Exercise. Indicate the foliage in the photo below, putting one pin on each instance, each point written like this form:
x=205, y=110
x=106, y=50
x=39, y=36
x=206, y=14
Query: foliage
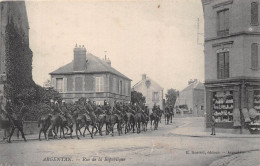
x=137, y=97
x=171, y=96
x=20, y=85
x=18, y=63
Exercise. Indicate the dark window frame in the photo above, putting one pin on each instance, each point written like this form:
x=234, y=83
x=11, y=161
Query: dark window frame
x=225, y=71
x=254, y=14
x=254, y=56
x=223, y=32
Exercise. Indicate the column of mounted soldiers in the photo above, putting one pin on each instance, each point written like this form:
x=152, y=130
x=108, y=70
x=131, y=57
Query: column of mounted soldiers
x=85, y=114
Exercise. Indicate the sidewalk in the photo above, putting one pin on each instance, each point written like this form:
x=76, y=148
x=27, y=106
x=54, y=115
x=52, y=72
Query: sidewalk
x=194, y=127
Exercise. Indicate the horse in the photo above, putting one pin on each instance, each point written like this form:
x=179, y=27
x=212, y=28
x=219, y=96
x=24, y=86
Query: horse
x=167, y=115
x=68, y=125
x=146, y=120
x=154, y=118
x=101, y=120
x=44, y=122
x=113, y=119
x=139, y=119
x=129, y=121
x=56, y=122
x=13, y=121
x=81, y=121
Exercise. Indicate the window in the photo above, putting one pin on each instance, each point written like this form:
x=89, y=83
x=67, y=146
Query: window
x=59, y=84
x=254, y=56
x=254, y=13
x=78, y=84
x=120, y=86
x=223, y=22
x=99, y=84
x=114, y=85
x=223, y=65
x=155, y=96
x=126, y=89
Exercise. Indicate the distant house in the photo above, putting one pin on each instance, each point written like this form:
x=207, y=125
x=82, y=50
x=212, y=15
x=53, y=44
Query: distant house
x=193, y=97
x=89, y=76
x=152, y=91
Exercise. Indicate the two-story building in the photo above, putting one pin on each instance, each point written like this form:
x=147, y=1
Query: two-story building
x=89, y=76
x=232, y=62
x=151, y=90
x=193, y=97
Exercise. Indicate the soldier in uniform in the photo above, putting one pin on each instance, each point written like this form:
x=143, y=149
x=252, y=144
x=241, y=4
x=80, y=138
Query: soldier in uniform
x=90, y=111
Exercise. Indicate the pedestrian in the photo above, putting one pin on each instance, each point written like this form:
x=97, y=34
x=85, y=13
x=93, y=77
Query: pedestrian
x=213, y=123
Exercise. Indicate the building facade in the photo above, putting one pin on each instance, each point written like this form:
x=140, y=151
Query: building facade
x=89, y=76
x=151, y=90
x=232, y=62
x=193, y=97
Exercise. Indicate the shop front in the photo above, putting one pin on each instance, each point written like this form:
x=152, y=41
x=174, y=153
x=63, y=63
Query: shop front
x=235, y=103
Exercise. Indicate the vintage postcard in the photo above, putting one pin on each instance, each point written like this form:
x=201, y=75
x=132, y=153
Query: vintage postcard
x=125, y=82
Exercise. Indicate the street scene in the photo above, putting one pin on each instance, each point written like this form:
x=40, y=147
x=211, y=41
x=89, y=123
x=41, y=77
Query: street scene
x=180, y=143
x=130, y=83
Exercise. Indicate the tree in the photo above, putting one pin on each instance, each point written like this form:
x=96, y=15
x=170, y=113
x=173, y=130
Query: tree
x=171, y=96
x=137, y=97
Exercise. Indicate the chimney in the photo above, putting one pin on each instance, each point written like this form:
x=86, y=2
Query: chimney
x=107, y=60
x=79, y=62
x=143, y=76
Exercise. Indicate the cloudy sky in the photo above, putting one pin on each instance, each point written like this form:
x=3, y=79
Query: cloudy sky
x=158, y=38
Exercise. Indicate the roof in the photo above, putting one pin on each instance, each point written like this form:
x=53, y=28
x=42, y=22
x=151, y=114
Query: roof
x=194, y=85
x=94, y=65
x=143, y=81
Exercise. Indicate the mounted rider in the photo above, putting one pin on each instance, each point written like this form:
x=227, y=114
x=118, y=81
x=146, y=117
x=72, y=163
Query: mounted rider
x=117, y=110
x=90, y=111
x=65, y=111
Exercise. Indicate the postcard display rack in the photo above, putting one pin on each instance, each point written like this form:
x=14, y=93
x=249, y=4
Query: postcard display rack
x=257, y=100
x=223, y=105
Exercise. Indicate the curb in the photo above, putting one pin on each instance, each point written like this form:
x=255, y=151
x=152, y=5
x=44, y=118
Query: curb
x=209, y=136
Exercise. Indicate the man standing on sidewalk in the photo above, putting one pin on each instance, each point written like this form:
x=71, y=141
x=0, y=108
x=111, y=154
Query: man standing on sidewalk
x=213, y=122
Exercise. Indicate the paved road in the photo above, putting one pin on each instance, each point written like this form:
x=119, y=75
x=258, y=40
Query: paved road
x=159, y=147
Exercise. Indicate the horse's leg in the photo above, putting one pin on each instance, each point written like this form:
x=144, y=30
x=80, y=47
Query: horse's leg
x=40, y=134
x=151, y=124
x=77, y=129
x=107, y=128
x=118, y=128
x=17, y=134
x=112, y=129
x=85, y=130
x=12, y=131
x=21, y=130
x=91, y=134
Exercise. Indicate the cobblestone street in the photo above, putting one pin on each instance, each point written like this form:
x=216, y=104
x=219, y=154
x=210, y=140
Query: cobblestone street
x=160, y=147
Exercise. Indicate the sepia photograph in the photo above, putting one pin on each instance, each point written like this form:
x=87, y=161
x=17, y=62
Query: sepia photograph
x=131, y=83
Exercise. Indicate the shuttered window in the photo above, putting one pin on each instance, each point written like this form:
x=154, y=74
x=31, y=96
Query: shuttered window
x=223, y=65
x=254, y=56
x=120, y=86
x=59, y=84
x=78, y=84
x=99, y=84
x=254, y=13
x=223, y=22
x=114, y=85
x=127, y=89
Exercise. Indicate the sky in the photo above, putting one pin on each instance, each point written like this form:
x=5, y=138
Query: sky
x=158, y=38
